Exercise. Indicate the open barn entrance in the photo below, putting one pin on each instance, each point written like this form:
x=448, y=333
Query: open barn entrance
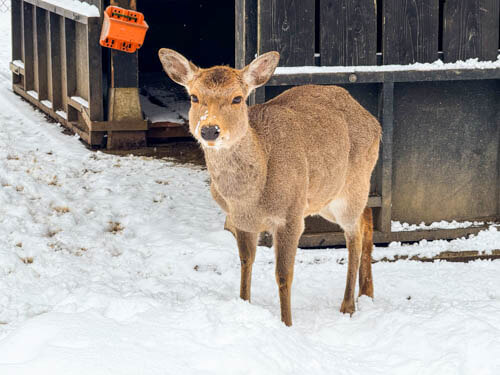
x=201, y=31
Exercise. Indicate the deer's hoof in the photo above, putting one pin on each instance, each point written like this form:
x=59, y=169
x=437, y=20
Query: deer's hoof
x=347, y=307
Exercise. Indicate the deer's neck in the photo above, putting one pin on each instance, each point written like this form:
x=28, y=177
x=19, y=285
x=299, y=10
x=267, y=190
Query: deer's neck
x=239, y=173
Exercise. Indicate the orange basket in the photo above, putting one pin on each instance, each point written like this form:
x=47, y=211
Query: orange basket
x=123, y=29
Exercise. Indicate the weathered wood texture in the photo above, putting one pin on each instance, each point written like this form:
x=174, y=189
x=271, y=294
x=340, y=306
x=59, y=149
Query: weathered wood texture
x=55, y=61
x=245, y=32
x=410, y=31
x=384, y=174
x=287, y=26
x=28, y=47
x=16, y=35
x=445, y=151
x=470, y=29
x=41, y=52
x=348, y=32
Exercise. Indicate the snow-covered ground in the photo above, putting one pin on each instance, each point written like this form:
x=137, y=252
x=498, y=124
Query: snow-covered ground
x=120, y=265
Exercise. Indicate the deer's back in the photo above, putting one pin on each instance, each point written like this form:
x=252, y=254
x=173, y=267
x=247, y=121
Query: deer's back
x=317, y=135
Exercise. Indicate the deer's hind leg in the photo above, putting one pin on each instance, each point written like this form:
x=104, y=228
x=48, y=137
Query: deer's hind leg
x=365, y=269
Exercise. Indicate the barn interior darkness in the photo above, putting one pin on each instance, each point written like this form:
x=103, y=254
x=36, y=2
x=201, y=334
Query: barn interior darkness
x=203, y=31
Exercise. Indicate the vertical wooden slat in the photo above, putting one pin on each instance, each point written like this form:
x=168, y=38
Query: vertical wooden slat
x=55, y=61
x=348, y=32
x=41, y=54
x=470, y=29
x=28, y=46
x=69, y=66
x=386, y=108
x=246, y=32
x=410, y=31
x=16, y=35
x=287, y=26
x=95, y=98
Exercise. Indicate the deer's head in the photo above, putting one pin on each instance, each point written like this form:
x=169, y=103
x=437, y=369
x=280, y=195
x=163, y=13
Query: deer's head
x=219, y=114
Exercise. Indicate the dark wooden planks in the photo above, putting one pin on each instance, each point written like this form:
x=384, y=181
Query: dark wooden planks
x=68, y=65
x=384, y=177
x=55, y=61
x=28, y=47
x=245, y=32
x=287, y=26
x=470, y=30
x=348, y=32
x=16, y=35
x=410, y=31
x=41, y=51
x=95, y=91
x=445, y=151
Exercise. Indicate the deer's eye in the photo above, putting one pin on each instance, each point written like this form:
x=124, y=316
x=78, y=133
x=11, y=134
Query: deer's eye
x=194, y=98
x=237, y=100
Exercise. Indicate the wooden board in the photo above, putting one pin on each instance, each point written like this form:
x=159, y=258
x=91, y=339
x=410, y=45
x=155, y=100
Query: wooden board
x=445, y=151
x=28, y=47
x=410, y=31
x=41, y=52
x=55, y=61
x=470, y=29
x=287, y=26
x=348, y=32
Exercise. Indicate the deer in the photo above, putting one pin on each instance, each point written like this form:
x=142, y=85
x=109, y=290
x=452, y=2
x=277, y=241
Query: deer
x=309, y=151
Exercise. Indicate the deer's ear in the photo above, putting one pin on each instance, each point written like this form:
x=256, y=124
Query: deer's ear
x=178, y=68
x=261, y=69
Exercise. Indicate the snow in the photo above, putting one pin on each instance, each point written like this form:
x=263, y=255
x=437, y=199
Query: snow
x=436, y=65
x=33, y=94
x=63, y=114
x=18, y=63
x=119, y=265
x=76, y=6
x=397, y=226
x=47, y=103
x=80, y=101
x=162, y=100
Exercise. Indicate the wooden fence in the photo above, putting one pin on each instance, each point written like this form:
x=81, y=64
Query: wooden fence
x=440, y=154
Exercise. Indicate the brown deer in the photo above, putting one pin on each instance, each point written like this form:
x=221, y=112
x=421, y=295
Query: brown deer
x=309, y=151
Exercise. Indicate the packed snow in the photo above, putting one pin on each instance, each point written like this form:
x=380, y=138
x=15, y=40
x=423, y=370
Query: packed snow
x=397, y=226
x=119, y=265
x=436, y=65
x=81, y=7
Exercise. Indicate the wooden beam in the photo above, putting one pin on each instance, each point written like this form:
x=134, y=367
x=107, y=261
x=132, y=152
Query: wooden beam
x=314, y=240
x=386, y=117
x=66, y=13
x=329, y=78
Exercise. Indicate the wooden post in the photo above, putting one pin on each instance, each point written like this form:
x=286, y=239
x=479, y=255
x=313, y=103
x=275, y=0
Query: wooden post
x=123, y=99
x=69, y=67
x=386, y=108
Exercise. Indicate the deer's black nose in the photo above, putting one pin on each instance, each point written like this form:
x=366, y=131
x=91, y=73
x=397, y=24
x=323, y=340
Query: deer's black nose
x=210, y=132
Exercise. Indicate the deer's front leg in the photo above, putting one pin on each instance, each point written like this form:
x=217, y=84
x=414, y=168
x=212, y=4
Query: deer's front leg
x=286, y=240
x=247, y=246
x=354, y=240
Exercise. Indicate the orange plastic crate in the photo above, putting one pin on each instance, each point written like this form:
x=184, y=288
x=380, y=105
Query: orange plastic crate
x=123, y=29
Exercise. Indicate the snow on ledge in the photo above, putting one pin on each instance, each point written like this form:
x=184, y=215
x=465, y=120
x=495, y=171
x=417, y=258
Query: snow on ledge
x=436, y=65
x=80, y=101
x=80, y=7
x=397, y=226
